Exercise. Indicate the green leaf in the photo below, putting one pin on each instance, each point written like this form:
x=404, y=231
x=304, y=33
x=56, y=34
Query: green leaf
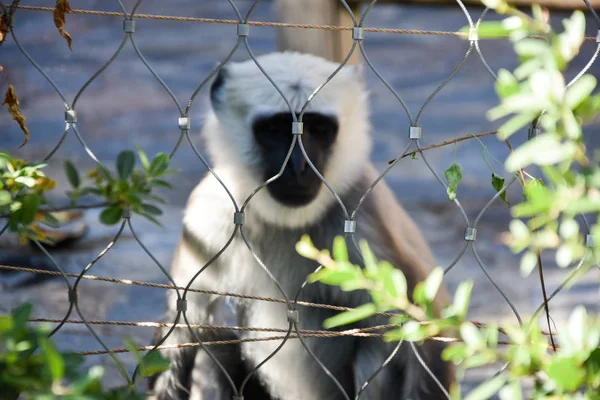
x=153, y=363
x=150, y=209
x=471, y=335
x=340, y=251
x=506, y=85
x=335, y=277
x=161, y=183
x=577, y=326
x=125, y=163
x=453, y=176
x=50, y=220
x=143, y=158
x=72, y=174
x=514, y=124
x=433, y=282
x=580, y=90
x=31, y=205
x=528, y=263
x=490, y=29
x=564, y=256
x=369, y=258
x=348, y=317
x=111, y=215
x=306, y=248
x=566, y=372
x=21, y=315
x=487, y=389
x=26, y=180
x=541, y=150
x=132, y=347
x=159, y=164
x=498, y=184
x=394, y=280
x=462, y=298
x=571, y=127
x=6, y=324
x=512, y=391
x=413, y=331
x=104, y=172
x=479, y=360
x=5, y=197
x=54, y=359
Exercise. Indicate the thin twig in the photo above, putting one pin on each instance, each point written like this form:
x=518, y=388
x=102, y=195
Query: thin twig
x=67, y=208
x=539, y=264
x=433, y=146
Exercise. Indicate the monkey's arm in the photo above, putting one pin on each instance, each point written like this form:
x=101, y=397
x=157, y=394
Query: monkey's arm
x=410, y=251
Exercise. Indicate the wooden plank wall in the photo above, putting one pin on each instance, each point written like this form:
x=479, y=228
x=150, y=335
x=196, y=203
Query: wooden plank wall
x=336, y=45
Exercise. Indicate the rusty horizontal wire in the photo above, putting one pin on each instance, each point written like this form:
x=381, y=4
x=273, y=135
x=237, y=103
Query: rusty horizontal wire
x=264, y=23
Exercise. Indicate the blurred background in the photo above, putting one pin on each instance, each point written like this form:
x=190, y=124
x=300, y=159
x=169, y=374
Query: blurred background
x=126, y=106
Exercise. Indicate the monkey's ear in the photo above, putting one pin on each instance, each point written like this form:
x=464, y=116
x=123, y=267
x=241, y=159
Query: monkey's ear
x=217, y=86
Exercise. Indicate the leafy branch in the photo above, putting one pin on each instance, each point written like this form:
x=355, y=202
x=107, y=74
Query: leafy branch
x=31, y=367
x=23, y=189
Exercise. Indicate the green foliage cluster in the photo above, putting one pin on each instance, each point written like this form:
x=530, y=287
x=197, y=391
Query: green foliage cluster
x=128, y=189
x=22, y=189
x=537, y=91
x=32, y=368
x=572, y=372
x=24, y=186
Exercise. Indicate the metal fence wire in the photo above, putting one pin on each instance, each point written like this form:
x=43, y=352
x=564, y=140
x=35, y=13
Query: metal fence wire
x=347, y=226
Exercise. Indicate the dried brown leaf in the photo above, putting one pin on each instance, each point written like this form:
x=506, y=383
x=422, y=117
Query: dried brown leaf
x=12, y=101
x=3, y=28
x=62, y=7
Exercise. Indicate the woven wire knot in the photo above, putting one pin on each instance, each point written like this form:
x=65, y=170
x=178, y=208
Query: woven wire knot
x=243, y=30
x=589, y=241
x=293, y=316
x=129, y=26
x=126, y=213
x=349, y=226
x=73, y=295
x=473, y=34
x=358, y=33
x=184, y=123
x=238, y=218
x=297, y=128
x=470, y=234
x=181, y=305
x=414, y=132
x=70, y=116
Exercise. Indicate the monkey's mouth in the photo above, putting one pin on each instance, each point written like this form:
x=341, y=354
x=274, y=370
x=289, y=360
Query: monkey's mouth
x=294, y=195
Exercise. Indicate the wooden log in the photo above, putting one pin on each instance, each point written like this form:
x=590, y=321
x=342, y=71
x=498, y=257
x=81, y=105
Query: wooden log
x=331, y=45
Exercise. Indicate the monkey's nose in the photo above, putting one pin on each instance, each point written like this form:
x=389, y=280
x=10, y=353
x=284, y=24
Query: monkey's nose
x=299, y=164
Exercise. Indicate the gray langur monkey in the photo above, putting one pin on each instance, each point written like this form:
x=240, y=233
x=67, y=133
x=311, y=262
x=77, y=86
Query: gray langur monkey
x=248, y=135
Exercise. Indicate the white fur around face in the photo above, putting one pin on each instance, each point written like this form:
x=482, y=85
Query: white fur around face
x=246, y=92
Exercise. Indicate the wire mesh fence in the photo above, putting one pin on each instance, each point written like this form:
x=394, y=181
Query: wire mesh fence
x=467, y=223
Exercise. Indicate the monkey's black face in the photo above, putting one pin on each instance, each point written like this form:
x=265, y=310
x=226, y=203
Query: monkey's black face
x=299, y=184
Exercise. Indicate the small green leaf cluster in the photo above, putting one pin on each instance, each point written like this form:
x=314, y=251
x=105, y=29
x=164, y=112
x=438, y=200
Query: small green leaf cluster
x=31, y=367
x=22, y=192
x=129, y=189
